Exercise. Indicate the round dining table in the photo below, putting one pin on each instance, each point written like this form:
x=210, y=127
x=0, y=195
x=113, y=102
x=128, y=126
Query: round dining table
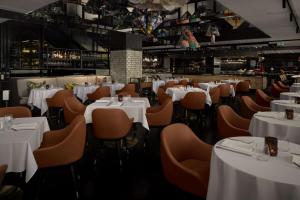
x=289, y=95
x=281, y=105
x=295, y=88
x=275, y=124
x=239, y=173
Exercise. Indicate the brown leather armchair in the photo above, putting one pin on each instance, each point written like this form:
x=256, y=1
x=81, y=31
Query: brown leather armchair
x=185, y=159
x=215, y=94
x=183, y=82
x=57, y=101
x=63, y=147
x=262, y=98
x=72, y=108
x=276, y=90
x=170, y=84
x=16, y=112
x=112, y=124
x=193, y=101
x=162, y=96
x=283, y=86
x=129, y=88
x=99, y=93
x=242, y=87
x=160, y=115
x=230, y=124
x=249, y=107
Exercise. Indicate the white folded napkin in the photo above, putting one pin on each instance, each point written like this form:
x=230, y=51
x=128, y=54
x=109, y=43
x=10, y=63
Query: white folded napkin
x=103, y=101
x=236, y=146
x=275, y=115
x=247, y=140
x=116, y=103
x=296, y=160
x=27, y=126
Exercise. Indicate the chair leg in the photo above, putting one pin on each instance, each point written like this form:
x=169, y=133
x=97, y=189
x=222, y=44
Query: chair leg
x=74, y=181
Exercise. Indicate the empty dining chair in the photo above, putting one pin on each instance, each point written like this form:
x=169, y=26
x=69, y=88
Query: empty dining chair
x=185, y=159
x=283, y=86
x=169, y=84
x=63, y=147
x=276, y=90
x=129, y=88
x=243, y=87
x=8, y=192
x=262, y=98
x=225, y=92
x=72, y=108
x=215, y=99
x=16, y=112
x=183, y=82
x=99, y=93
x=249, y=107
x=160, y=115
x=230, y=124
x=162, y=96
x=194, y=101
x=112, y=125
x=56, y=103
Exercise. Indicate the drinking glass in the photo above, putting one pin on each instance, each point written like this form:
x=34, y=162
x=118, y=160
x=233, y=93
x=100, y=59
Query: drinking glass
x=7, y=121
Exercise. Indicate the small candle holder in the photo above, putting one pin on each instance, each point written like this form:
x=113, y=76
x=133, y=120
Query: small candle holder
x=271, y=146
x=289, y=113
x=47, y=86
x=120, y=98
x=297, y=100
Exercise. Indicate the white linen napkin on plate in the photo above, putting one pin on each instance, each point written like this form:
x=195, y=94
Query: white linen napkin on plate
x=27, y=126
x=236, y=146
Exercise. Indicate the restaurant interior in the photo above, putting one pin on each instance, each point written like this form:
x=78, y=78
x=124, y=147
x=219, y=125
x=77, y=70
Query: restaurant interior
x=150, y=99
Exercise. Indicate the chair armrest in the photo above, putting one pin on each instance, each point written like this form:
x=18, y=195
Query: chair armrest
x=51, y=138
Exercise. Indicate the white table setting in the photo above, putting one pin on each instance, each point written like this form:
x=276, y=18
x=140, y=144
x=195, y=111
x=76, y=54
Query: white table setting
x=295, y=88
x=231, y=81
x=178, y=93
x=277, y=125
x=281, y=105
x=208, y=86
x=81, y=91
x=113, y=87
x=37, y=97
x=241, y=170
x=134, y=107
x=156, y=84
x=289, y=95
x=18, y=140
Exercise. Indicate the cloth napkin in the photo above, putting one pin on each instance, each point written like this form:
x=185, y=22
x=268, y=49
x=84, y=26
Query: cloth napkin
x=28, y=126
x=296, y=160
x=116, y=103
x=246, y=140
x=275, y=115
x=102, y=101
x=236, y=146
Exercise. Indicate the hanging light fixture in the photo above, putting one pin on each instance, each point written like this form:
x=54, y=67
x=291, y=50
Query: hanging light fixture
x=235, y=21
x=212, y=32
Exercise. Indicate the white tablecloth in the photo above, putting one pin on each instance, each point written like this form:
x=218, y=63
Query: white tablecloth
x=82, y=91
x=156, y=84
x=37, y=97
x=179, y=93
x=16, y=147
x=274, y=124
x=281, y=105
x=135, y=107
x=289, y=95
x=113, y=87
x=230, y=81
x=295, y=88
x=208, y=86
x=234, y=176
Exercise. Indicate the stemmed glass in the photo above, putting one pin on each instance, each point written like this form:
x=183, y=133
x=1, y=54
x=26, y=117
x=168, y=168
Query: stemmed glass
x=8, y=121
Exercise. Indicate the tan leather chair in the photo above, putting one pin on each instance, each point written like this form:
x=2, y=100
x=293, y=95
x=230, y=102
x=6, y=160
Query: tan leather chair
x=63, y=147
x=160, y=115
x=129, y=88
x=215, y=94
x=57, y=101
x=112, y=124
x=249, y=107
x=162, y=96
x=72, y=108
x=276, y=90
x=283, y=86
x=224, y=90
x=242, y=87
x=8, y=192
x=183, y=82
x=99, y=93
x=170, y=84
x=16, y=112
x=230, y=124
x=185, y=159
x=262, y=98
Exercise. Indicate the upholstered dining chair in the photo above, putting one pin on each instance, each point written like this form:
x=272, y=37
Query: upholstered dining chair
x=8, y=192
x=56, y=103
x=99, y=93
x=215, y=99
x=230, y=124
x=225, y=92
x=249, y=107
x=276, y=90
x=243, y=87
x=162, y=96
x=185, y=159
x=194, y=101
x=160, y=115
x=183, y=82
x=262, y=98
x=129, y=88
x=72, y=108
x=63, y=147
x=283, y=86
x=170, y=84
x=112, y=125
x=16, y=112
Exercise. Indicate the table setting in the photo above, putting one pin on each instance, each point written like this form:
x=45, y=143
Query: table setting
x=81, y=91
x=210, y=85
x=265, y=167
x=134, y=107
x=113, y=87
x=19, y=137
